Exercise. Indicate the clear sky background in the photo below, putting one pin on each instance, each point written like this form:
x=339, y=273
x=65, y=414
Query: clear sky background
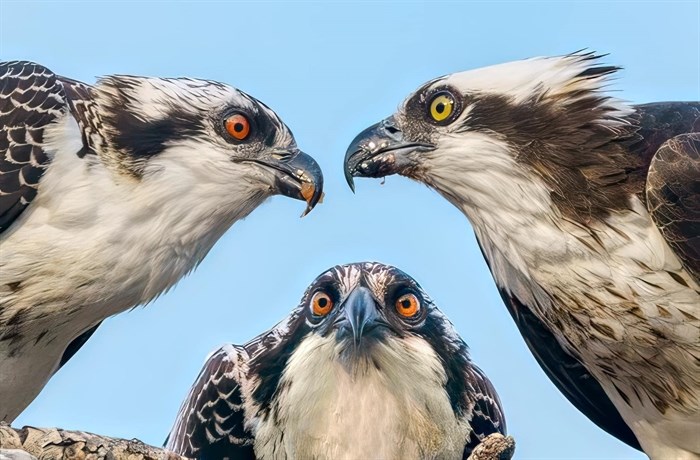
x=330, y=70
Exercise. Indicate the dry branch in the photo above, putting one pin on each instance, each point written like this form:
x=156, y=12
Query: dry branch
x=31, y=443
x=57, y=444
x=494, y=447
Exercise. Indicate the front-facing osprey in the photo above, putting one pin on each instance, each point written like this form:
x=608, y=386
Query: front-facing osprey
x=109, y=194
x=365, y=367
x=587, y=211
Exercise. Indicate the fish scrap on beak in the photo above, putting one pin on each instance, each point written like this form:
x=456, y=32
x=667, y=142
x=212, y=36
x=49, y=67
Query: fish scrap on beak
x=297, y=175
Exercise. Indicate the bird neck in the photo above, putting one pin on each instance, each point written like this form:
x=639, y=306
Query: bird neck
x=403, y=382
x=509, y=208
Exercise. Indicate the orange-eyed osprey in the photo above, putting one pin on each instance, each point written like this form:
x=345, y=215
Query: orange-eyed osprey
x=109, y=194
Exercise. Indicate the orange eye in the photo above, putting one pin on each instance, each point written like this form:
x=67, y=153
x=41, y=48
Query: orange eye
x=238, y=126
x=321, y=304
x=407, y=305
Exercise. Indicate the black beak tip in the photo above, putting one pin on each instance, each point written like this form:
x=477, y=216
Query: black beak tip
x=316, y=197
x=355, y=153
x=349, y=178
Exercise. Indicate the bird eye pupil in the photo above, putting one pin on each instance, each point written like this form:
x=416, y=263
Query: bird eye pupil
x=238, y=127
x=322, y=302
x=406, y=303
x=440, y=107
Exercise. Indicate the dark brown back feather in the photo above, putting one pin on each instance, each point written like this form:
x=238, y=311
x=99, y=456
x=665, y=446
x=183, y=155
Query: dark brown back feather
x=673, y=197
x=31, y=98
x=211, y=421
x=590, y=159
x=575, y=146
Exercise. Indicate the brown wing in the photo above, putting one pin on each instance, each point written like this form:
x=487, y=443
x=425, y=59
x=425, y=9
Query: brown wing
x=673, y=197
x=659, y=122
x=31, y=98
x=571, y=378
x=487, y=416
x=210, y=424
x=211, y=421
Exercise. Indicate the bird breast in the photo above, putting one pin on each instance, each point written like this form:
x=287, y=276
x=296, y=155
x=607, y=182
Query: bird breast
x=392, y=405
x=614, y=295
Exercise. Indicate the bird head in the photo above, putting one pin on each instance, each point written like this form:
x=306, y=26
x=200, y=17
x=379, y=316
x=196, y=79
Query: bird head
x=513, y=136
x=374, y=324
x=185, y=135
x=361, y=310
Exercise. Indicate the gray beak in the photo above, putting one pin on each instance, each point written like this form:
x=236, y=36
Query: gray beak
x=297, y=175
x=360, y=315
x=379, y=151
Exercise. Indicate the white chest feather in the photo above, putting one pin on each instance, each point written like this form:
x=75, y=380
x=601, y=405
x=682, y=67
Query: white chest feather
x=392, y=406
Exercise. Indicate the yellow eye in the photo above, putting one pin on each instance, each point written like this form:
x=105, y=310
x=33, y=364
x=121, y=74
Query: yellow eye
x=407, y=305
x=441, y=107
x=321, y=304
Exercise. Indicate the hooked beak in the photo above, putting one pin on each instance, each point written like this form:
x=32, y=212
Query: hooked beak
x=297, y=175
x=360, y=315
x=379, y=151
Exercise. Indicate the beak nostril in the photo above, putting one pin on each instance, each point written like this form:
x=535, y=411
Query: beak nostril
x=391, y=129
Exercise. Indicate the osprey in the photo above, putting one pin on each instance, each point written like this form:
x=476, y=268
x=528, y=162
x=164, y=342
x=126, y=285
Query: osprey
x=587, y=211
x=365, y=367
x=109, y=194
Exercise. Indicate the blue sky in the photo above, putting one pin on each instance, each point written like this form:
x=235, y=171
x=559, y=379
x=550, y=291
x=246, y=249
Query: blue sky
x=330, y=70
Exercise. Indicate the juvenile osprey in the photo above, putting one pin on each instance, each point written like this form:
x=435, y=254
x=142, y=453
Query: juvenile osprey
x=587, y=211
x=109, y=194
x=365, y=367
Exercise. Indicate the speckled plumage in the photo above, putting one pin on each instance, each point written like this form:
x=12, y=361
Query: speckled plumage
x=302, y=390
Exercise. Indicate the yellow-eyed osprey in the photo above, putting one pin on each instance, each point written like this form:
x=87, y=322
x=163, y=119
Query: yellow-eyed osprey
x=109, y=194
x=587, y=211
x=365, y=367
